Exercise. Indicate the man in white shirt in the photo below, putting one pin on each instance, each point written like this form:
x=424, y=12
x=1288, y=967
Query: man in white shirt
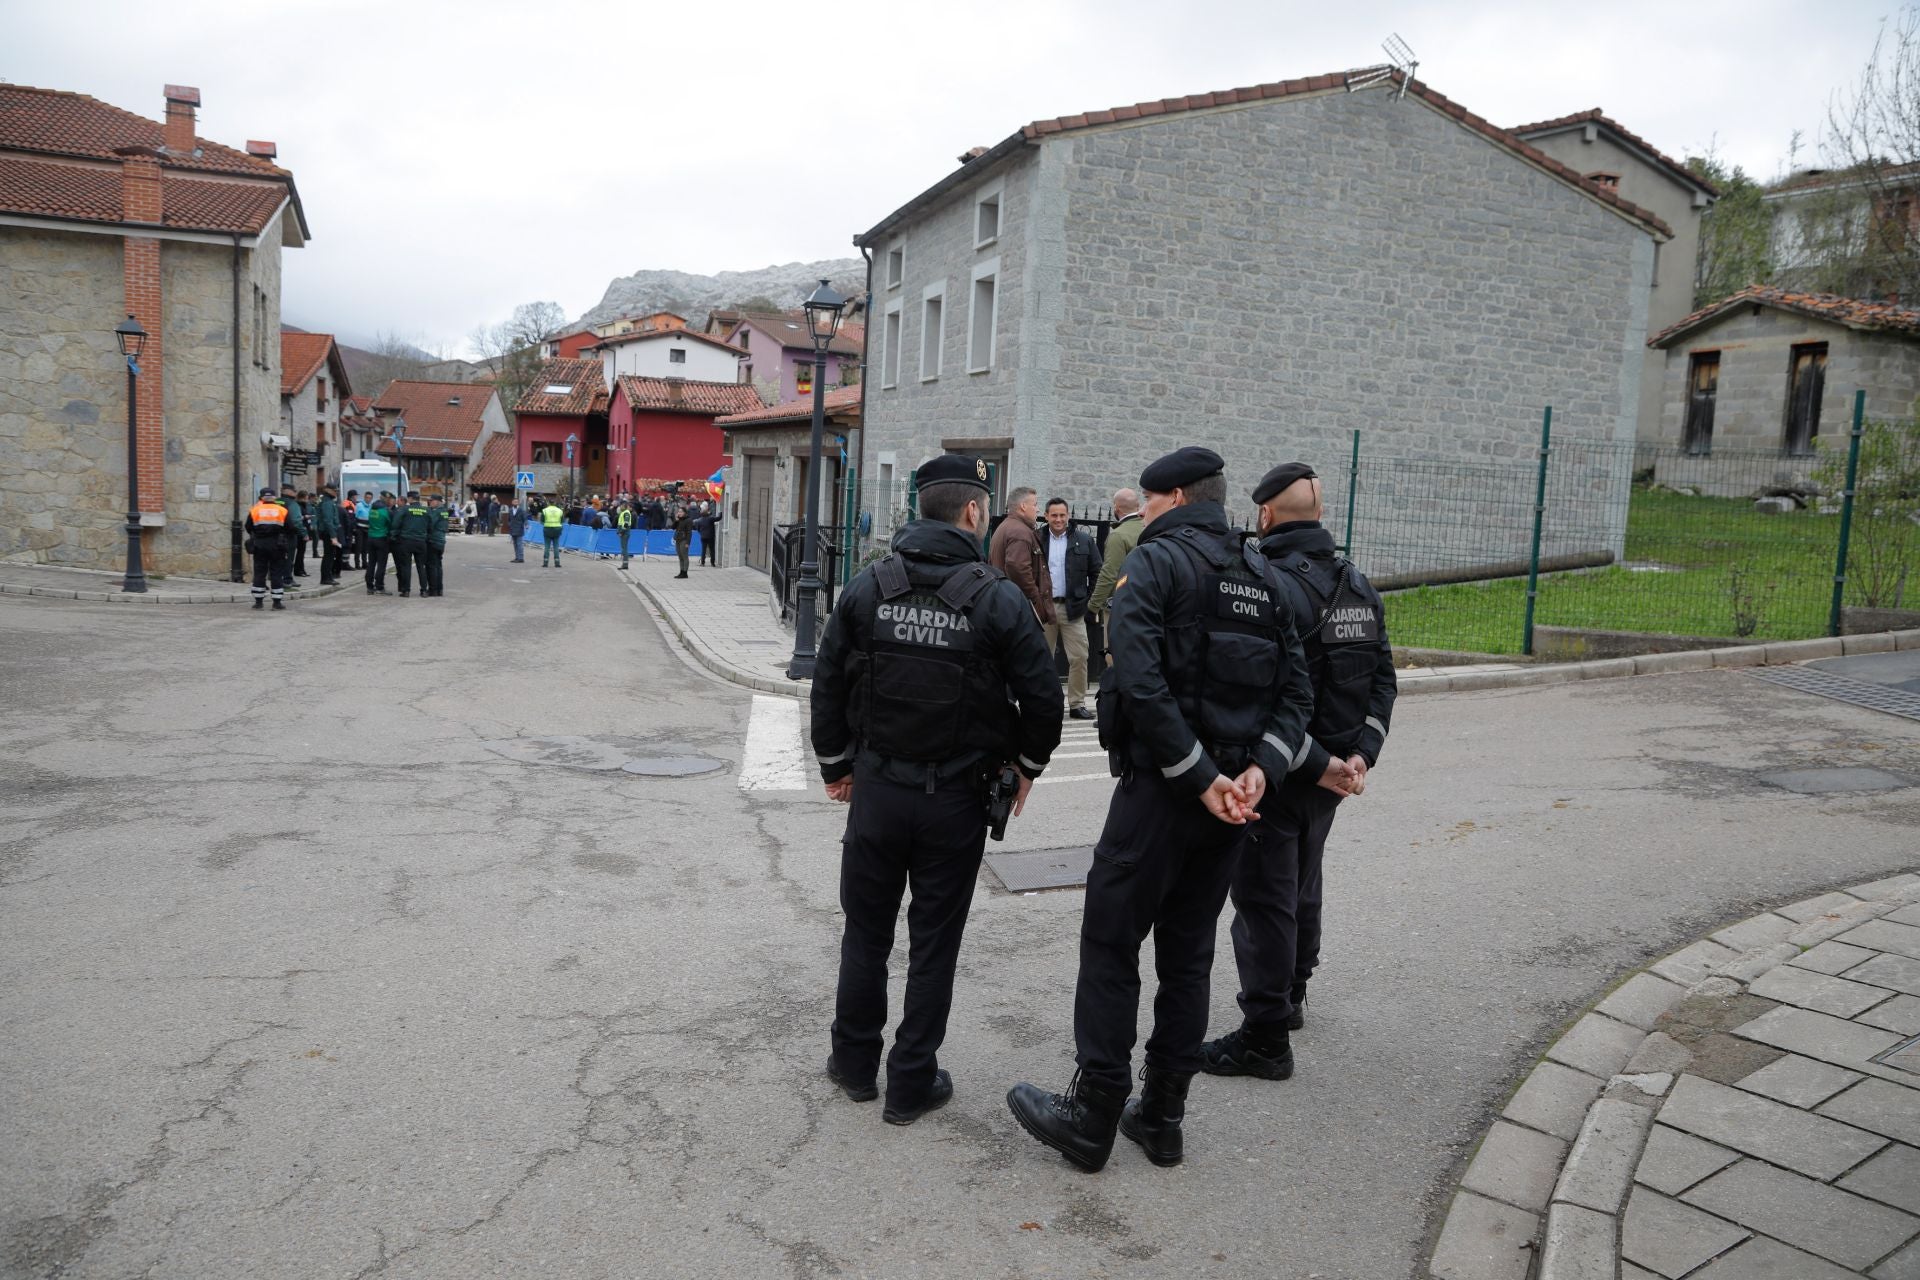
x=1073, y=562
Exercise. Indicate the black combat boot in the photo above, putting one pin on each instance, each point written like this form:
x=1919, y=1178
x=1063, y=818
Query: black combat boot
x=1079, y=1123
x=259, y=602
x=1153, y=1119
x=1250, y=1051
x=278, y=605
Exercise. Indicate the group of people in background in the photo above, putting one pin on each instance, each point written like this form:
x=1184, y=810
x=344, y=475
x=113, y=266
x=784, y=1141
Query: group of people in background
x=626, y=515
x=362, y=533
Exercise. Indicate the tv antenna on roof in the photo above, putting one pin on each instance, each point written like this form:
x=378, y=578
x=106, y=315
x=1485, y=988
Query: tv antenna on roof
x=1400, y=58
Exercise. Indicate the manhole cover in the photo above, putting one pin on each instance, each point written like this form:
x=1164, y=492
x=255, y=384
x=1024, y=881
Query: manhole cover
x=1891, y=699
x=1813, y=782
x=634, y=755
x=1904, y=1056
x=1042, y=868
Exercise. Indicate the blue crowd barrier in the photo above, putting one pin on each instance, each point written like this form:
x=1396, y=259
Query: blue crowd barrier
x=655, y=542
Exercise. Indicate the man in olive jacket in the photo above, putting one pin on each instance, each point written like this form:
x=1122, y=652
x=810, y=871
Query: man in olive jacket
x=1123, y=537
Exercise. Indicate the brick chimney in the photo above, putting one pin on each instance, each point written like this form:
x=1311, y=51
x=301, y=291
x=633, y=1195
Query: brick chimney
x=263, y=150
x=178, y=132
x=139, y=184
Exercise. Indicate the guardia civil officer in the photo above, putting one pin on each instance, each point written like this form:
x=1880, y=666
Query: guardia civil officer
x=931, y=677
x=412, y=532
x=433, y=579
x=1204, y=709
x=1276, y=889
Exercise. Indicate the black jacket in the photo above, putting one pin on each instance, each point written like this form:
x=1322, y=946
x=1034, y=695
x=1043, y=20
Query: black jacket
x=1005, y=629
x=1160, y=656
x=1083, y=569
x=1348, y=655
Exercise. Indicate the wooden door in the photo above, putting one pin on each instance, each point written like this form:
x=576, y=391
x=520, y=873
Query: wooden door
x=1702, y=390
x=757, y=515
x=1806, y=383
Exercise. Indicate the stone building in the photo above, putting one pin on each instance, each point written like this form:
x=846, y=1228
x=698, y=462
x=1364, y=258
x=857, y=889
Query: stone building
x=1770, y=369
x=314, y=408
x=1262, y=271
x=1605, y=152
x=768, y=452
x=447, y=428
x=105, y=213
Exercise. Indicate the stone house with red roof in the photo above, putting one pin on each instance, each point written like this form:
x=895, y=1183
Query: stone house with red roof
x=1604, y=151
x=1769, y=368
x=779, y=353
x=662, y=429
x=1260, y=270
x=104, y=213
x=448, y=425
x=768, y=450
x=313, y=399
x=560, y=424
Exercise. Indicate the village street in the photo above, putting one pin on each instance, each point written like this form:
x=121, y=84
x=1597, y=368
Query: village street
x=314, y=962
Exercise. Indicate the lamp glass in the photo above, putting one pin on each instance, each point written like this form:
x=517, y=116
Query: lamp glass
x=823, y=307
x=131, y=336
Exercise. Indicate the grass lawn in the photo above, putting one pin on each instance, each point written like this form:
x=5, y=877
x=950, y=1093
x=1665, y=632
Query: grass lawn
x=1710, y=553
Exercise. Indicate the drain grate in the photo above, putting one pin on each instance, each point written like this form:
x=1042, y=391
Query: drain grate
x=1861, y=693
x=1042, y=868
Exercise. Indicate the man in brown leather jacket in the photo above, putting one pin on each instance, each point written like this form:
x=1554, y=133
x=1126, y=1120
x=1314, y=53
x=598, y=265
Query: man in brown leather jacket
x=1016, y=551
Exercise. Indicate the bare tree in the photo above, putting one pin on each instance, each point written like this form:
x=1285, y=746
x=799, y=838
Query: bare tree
x=511, y=348
x=1735, y=233
x=1857, y=232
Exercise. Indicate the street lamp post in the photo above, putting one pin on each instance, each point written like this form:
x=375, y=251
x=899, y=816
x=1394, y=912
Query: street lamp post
x=573, y=492
x=823, y=307
x=399, y=455
x=132, y=339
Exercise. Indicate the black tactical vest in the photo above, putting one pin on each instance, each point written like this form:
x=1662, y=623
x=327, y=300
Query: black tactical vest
x=925, y=688
x=1341, y=639
x=1234, y=608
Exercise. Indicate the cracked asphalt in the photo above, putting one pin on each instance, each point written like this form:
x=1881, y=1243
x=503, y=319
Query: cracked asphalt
x=299, y=977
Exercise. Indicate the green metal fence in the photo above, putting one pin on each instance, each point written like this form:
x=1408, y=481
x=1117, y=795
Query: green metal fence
x=1507, y=554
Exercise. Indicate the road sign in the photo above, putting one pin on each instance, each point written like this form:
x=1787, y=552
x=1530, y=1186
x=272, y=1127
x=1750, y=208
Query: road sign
x=523, y=479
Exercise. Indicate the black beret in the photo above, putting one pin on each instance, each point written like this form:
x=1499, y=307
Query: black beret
x=1180, y=468
x=951, y=468
x=1280, y=477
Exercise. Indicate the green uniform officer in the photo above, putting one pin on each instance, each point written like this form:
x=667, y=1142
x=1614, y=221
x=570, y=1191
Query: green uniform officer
x=412, y=532
x=432, y=572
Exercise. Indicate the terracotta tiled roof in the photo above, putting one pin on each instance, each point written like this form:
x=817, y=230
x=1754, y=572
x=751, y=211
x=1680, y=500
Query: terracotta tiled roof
x=496, y=466
x=301, y=356
x=1854, y=313
x=1598, y=117
x=437, y=427
x=840, y=401
x=586, y=389
x=90, y=192
x=681, y=395
x=1874, y=172
x=1040, y=130
x=642, y=335
x=361, y=404
x=55, y=122
x=790, y=328
x=57, y=160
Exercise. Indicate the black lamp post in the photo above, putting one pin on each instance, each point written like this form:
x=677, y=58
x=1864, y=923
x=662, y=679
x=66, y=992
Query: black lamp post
x=573, y=492
x=132, y=340
x=399, y=456
x=823, y=307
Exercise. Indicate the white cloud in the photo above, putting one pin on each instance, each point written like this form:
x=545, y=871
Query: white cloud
x=456, y=159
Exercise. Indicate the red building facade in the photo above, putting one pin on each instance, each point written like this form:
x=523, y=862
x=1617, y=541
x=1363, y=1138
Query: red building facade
x=662, y=429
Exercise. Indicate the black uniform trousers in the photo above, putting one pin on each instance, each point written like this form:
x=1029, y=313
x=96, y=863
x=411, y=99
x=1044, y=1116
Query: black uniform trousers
x=1276, y=901
x=270, y=569
x=897, y=836
x=431, y=577
x=407, y=553
x=1162, y=866
x=329, y=562
x=377, y=563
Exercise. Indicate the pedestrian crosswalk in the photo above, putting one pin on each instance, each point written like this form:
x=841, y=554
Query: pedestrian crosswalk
x=776, y=756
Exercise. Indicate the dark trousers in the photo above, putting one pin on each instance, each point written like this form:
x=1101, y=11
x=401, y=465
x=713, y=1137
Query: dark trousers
x=407, y=554
x=626, y=557
x=377, y=563
x=550, y=549
x=1162, y=865
x=680, y=549
x=1276, y=901
x=270, y=571
x=709, y=552
x=300, y=555
x=329, y=563
x=432, y=579
x=899, y=836
x=360, y=548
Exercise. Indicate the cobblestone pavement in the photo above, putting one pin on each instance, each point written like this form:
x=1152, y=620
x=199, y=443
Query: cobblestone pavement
x=1747, y=1108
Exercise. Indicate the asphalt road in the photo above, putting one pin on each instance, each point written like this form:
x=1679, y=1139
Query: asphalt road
x=315, y=962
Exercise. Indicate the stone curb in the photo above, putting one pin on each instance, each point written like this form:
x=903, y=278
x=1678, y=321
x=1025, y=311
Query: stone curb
x=1749, y=655
x=1553, y=1172
x=154, y=597
x=703, y=654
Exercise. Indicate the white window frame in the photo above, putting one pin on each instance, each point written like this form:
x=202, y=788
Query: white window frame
x=890, y=344
x=991, y=267
x=888, y=472
x=899, y=247
x=933, y=293
x=992, y=192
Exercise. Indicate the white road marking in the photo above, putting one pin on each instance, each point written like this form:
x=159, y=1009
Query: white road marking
x=1078, y=755
x=776, y=757
x=1102, y=776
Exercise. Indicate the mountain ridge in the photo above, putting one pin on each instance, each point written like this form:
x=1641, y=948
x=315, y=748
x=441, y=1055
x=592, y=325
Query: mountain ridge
x=692, y=295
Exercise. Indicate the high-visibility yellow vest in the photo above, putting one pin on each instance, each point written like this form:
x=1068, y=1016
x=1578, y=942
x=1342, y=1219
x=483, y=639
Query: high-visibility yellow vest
x=553, y=517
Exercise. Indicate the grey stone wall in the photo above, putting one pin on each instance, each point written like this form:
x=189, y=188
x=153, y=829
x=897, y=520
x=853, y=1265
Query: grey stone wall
x=63, y=400
x=1750, y=409
x=1265, y=279
x=63, y=407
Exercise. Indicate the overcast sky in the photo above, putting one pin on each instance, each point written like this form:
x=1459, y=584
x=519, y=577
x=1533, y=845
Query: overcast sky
x=458, y=158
